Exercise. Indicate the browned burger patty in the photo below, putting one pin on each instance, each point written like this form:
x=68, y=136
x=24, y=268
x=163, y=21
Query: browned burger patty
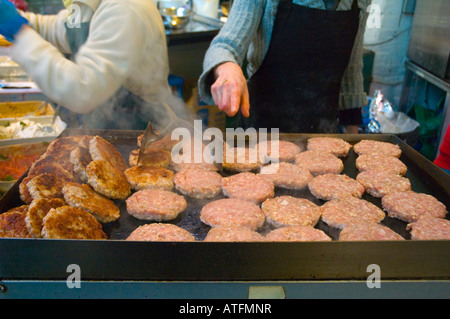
x=286, y=175
x=232, y=212
x=160, y=232
x=341, y=212
x=430, y=228
x=158, y=158
x=233, y=234
x=71, y=223
x=83, y=196
x=101, y=149
x=107, y=180
x=198, y=183
x=37, y=211
x=287, y=210
x=143, y=177
x=12, y=223
x=411, y=206
x=367, y=231
x=319, y=162
x=80, y=158
x=297, y=233
x=367, y=162
x=330, y=186
x=248, y=186
x=155, y=204
x=381, y=183
x=47, y=185
x=279, y=151
x=334, y=145
x=377, y=147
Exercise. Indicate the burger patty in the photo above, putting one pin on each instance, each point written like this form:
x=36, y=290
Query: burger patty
x=232, y=212
x=160, y=232
x=241, y=159
x=159, y=158
x=297, y=233
x=377, y=147
x=80, y=158
x=367, y=231
x=143, y=177
x=198, y=183
x=430, y=228
x=330, y=186
x=278, y=151
x=233, y=234
x=37, y=211
x=334, y=145
x=384, y=163
x=83, y=196
x=286, y=175
x=381, y=183
x=101, y=149
x=155, y=204
x=341, y=212
x=411, y=206
x=287, y=210
x=68, y=222
x=248, y=186
x=107, y=180
x=319, y=162
x=12, y=223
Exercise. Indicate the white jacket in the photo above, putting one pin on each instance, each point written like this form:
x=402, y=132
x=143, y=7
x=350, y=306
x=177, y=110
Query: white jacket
x=126, y=46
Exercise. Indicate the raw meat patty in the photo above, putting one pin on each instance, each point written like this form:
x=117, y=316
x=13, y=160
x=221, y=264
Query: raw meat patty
x=160, y=232
x=342, y=212
x=286, y=151
x=334, y=145
x=410, y=206
x=330, y=186
x=143, y=177
x=71, y=223
x=198, y=183
x=377, y=147
x=367, y=162
x=83, y=196
x=286, y=175
x=233, y=234
x=248, y=186
x=381, y=183
x=155, y=204
x=430, y=228
x=319, y=162
x=297, y=233
x=232, y=212
x=287, y=210
x=367, y=231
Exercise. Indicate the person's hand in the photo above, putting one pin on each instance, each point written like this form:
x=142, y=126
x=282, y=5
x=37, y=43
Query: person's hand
x=230, y=91
x=10, y=20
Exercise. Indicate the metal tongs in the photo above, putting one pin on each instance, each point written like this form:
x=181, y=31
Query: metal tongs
x=150, y=136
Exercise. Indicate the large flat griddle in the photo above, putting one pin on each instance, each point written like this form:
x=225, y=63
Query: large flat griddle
x=117, y=259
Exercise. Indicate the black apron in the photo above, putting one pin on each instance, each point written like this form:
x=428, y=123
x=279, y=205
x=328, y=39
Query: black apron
x=296, y=88
x=121, y=111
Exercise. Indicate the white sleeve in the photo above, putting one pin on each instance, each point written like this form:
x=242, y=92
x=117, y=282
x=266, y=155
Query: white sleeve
x=50, y=27
x=101, y=66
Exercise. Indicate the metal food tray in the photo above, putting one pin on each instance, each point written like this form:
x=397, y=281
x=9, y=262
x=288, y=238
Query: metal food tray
x=117, y=259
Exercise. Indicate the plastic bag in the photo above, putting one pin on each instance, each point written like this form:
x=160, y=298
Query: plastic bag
x=383, y=118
